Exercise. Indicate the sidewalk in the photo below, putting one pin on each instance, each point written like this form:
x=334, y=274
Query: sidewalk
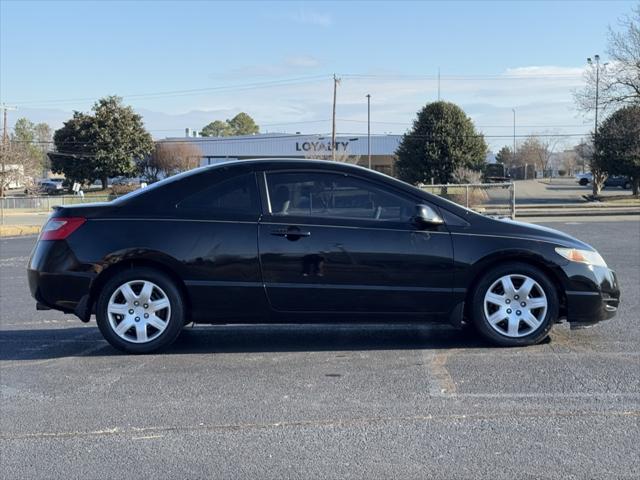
x=584, y=209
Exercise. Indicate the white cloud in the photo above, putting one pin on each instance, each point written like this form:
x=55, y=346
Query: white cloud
x=302, y=61
x=303, y=16
x=309, y=17
x=545, y=71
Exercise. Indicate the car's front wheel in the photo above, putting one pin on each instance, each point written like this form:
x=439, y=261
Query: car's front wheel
x=140, y=311
x=584, y=181
x=515, y=304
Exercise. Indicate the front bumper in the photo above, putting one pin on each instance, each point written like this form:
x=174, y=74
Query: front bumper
x=593, y=296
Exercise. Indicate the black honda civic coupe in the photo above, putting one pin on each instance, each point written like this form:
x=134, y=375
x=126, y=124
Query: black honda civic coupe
x=301, y=241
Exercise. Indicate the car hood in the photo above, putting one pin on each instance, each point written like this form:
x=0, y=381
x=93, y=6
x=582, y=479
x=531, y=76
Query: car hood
x=537, y=232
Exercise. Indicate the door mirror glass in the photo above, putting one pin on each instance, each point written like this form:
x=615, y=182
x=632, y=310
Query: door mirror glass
x=427, y=217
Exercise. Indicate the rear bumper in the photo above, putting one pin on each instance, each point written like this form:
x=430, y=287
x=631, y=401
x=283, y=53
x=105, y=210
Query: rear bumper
x=58, y=291
x=57, y=280
x=597, y=303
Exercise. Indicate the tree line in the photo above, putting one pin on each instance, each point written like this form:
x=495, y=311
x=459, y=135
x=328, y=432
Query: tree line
x=109, y=141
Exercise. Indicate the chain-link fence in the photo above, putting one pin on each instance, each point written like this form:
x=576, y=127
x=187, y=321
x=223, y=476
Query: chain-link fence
x=43, y=203
x=488, y=198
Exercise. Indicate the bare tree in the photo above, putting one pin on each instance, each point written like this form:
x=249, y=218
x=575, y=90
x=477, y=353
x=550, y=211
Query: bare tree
x=569, y=161
x=536, y=151
x=169, y=158
x=18, y=167
x=585, y=152
x=620, y=79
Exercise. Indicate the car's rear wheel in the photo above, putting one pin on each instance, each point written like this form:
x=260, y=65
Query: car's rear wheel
x=583, y=181
x=140, y=311
x=515, y=304
x=627, y=185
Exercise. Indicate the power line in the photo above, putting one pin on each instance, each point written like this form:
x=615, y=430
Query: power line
x=308, y=79
x=495, y=76
x=193, y=91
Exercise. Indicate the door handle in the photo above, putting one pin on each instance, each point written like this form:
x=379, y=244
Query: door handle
x=290, y=233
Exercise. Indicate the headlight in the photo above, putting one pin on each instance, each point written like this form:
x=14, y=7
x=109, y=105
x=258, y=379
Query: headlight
x=582, y=256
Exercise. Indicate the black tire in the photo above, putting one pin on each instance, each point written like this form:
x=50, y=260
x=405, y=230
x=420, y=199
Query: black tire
x=175, y=320
x=483, y=325
x=584, y=181
x=627, y=185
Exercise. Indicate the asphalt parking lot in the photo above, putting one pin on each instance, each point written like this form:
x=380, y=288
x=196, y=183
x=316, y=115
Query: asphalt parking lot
x=337, y=401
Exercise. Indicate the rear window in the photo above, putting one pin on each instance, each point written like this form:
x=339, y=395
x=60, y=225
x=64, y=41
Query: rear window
x=234, y=196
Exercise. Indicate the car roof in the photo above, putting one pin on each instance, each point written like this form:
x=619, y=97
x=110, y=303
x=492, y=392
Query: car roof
x=284, y=163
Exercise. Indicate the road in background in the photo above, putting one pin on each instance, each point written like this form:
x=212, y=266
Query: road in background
x=559, y=190
x=329, y=401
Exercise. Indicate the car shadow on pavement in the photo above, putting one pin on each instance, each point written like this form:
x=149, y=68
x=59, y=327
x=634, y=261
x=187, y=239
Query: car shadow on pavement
x=41, y=344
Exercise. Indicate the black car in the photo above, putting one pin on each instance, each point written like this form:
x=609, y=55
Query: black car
x=302, y=241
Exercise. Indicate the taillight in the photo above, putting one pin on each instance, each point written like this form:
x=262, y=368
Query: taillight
x=61, y=227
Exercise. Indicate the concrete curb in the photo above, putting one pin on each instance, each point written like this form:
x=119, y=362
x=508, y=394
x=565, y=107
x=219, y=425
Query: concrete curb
x=574, y=213
x=18, y=230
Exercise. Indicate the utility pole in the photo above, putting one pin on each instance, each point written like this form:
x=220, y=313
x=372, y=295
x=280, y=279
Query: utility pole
x=369, y=129
x=5, y=148
x=336, y=81
x=438, y=83
x=513, y=154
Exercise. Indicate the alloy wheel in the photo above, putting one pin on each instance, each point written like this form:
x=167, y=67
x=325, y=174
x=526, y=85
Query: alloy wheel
x=515, y=305
x=139, y=311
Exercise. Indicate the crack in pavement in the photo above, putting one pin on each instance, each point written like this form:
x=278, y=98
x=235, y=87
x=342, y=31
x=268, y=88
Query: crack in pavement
x=141, y=431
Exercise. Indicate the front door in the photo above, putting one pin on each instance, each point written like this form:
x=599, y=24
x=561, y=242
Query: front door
x=339, y=243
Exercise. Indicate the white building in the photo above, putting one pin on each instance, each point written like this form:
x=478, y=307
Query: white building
x=351, y=149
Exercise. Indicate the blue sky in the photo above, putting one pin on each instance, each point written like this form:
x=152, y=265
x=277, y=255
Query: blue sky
x=494, y=56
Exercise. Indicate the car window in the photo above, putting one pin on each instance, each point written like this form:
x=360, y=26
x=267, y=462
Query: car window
x=237, y=195
x=327, y=195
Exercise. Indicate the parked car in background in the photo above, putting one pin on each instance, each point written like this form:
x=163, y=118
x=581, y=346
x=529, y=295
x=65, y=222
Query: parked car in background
x=294, y=241
x=125, y=181
x=495, y=173
x=48, y=186
x=584, y=178
x=618, y=181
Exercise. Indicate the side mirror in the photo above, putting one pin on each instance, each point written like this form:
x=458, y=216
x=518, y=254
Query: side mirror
x=426, y=217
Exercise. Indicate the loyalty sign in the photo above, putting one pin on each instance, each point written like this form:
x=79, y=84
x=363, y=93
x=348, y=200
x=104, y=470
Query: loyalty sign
x=320, y=146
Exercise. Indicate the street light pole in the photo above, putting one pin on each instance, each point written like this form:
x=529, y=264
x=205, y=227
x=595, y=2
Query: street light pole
x=597, y=65
x=369, y=129
x=513, y=153
x=596, y=61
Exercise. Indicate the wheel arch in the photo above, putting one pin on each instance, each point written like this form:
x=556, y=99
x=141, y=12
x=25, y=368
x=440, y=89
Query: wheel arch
x=491, y=261
x=128, y=264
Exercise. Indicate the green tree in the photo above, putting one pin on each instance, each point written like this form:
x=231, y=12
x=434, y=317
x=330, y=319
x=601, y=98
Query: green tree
x=617, y=145
x=75, y=147
x=108, y=143
x=241, y=124
x=121, y=139
x=505, y=156
x=442, y=139
x=217, y=128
